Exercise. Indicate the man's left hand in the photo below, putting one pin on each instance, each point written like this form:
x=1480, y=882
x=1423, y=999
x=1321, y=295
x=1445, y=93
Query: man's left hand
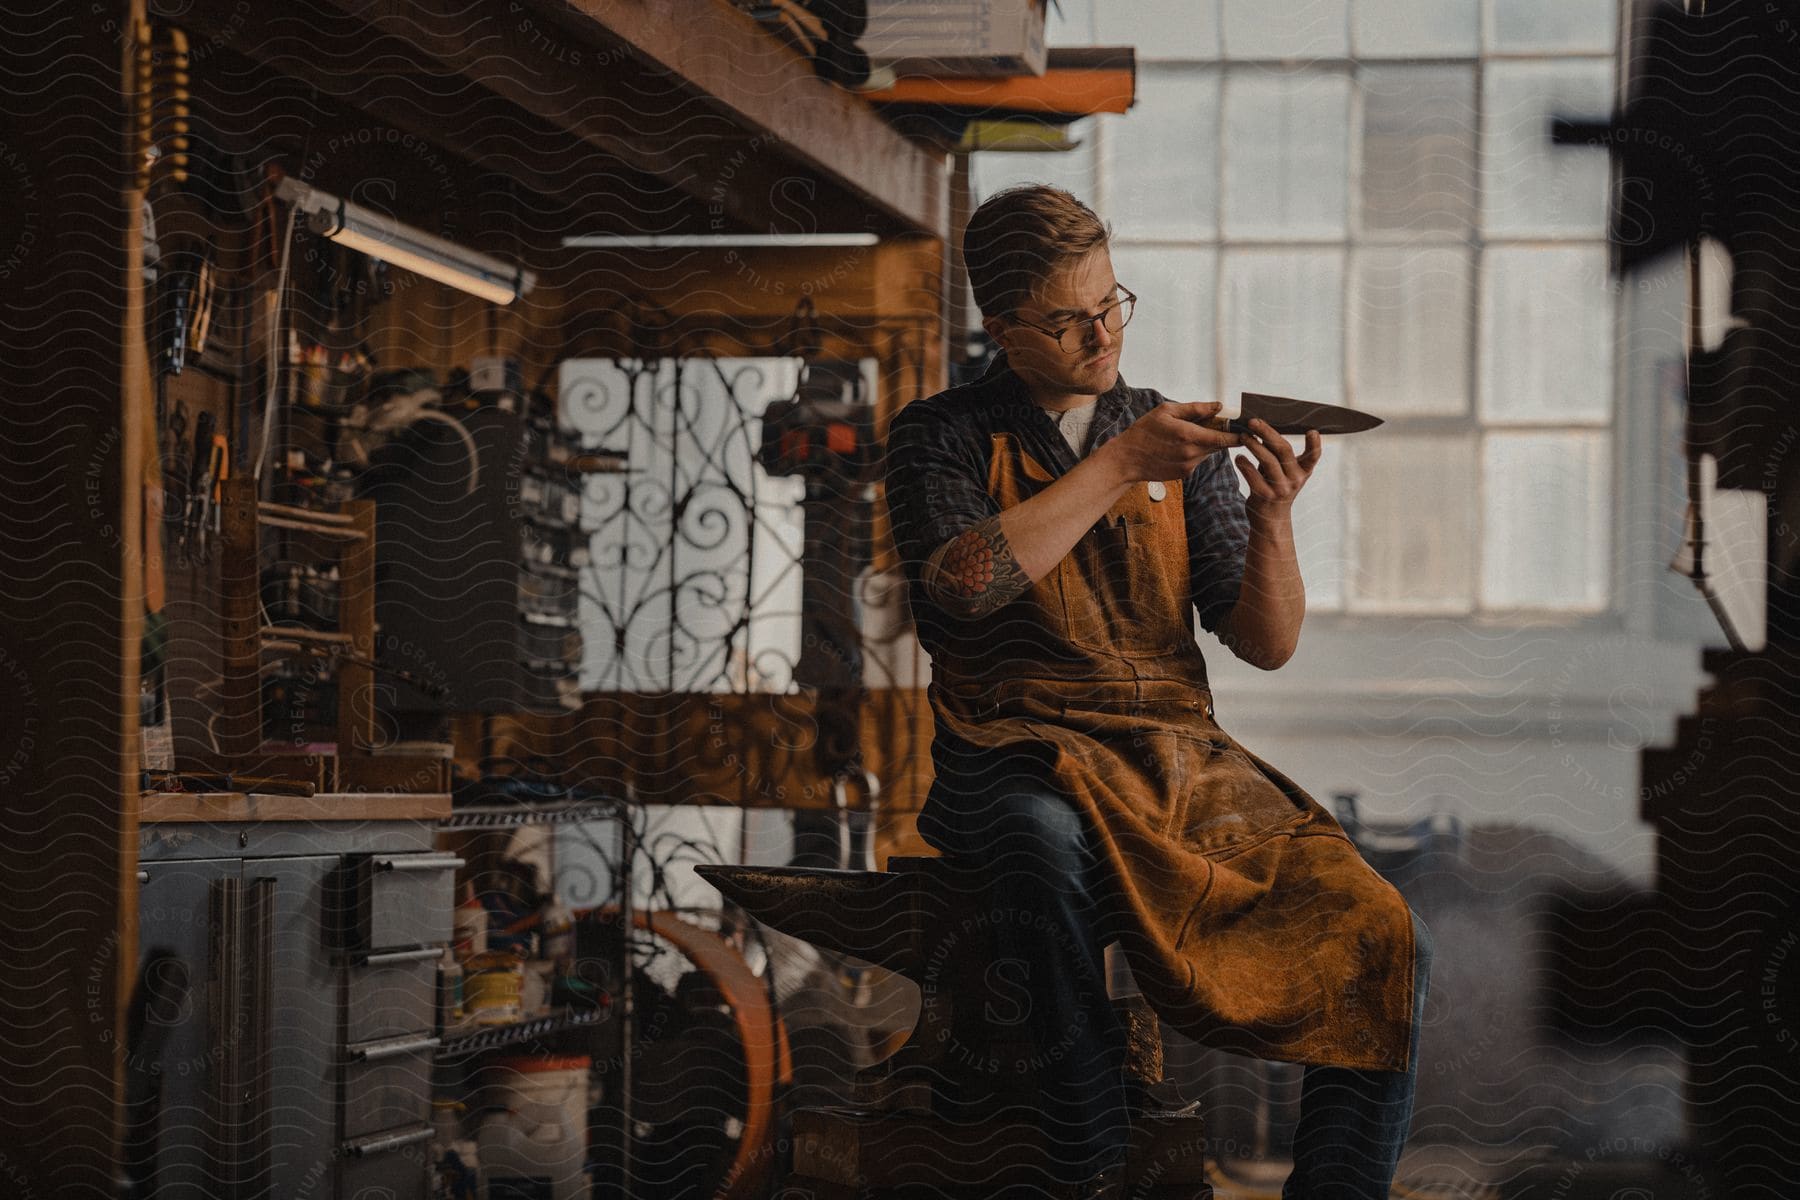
x=1275, y=474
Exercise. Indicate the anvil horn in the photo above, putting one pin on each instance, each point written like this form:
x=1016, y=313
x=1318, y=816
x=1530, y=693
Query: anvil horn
x=871, y=915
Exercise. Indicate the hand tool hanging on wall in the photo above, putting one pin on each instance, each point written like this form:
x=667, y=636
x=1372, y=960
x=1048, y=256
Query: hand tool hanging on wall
x=184, y=298
x=177, y=461
x=210, y=467
x=218, y=469
x=203, y=431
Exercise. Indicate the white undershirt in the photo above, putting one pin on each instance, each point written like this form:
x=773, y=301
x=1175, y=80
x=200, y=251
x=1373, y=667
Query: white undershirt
x=1075, y=423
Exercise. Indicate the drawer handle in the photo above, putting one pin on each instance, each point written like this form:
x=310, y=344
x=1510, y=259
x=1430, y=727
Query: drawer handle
x=419, y=862
x=398, y=956
x=391, y=1048
x=391, y=1139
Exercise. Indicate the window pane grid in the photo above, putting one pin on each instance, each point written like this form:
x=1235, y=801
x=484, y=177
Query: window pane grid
x=1285, y=156
x=1547, y=538
x=1417, y=145
x=1148, y=56
x=1238, y=243
x=1542, y=239
x=1528, y=186
x=1543, y=28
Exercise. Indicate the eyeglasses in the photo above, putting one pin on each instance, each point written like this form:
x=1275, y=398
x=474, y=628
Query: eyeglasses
x=1115, y=316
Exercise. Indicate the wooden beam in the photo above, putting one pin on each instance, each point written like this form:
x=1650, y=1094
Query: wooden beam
x=301, y=102
x=721, y=52
x=587, y=139
x=842, y=281
x=738, y=164
x=72, y=609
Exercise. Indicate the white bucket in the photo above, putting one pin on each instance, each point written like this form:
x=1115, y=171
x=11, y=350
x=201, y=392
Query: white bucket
x=535, y=1141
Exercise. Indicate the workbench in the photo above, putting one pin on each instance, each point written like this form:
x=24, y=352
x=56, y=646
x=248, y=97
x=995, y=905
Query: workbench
x=287, y=992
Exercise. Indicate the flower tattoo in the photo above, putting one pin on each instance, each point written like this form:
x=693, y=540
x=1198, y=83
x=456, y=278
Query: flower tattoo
x=975, y=572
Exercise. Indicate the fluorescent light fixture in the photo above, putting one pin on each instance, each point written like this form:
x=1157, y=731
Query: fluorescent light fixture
x=368, y=232
x=677, y=240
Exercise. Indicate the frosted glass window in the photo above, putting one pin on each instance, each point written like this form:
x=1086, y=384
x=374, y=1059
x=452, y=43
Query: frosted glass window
x=1070, y=23
x=1286, y=154
x=1282, y=317
x=1411, y=511
x=1357, y=202
x=1410, y=321
x=1547, y=538
x=1160, y=28
x=1546, y=335
x=1292, y=29
x=1418, y=150
x=1072, y=170
x=1162, y=158
x=1551, y=26
x=1413, y=28
x=1530, y=187
x=1319, y=526
x=1169, y=343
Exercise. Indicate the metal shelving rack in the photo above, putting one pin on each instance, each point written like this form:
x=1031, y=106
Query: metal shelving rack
x=565, y=812
x=530, y=812
x=458, y=1048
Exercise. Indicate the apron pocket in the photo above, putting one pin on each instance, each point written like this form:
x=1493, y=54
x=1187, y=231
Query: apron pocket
x=1124, y=584
x=1094, y=581
x=1235, y=802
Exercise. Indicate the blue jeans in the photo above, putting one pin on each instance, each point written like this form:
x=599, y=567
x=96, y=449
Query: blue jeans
x=1040, y=859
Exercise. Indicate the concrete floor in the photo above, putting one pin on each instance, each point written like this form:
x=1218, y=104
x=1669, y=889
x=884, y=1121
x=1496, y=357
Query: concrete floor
x=1464, y=1172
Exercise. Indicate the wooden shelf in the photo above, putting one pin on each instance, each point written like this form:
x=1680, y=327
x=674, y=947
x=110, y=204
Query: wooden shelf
x=767, y=114
x=232, y=807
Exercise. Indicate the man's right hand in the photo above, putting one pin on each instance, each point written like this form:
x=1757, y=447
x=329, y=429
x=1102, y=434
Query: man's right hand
x=1167, y=442
x=994, y=561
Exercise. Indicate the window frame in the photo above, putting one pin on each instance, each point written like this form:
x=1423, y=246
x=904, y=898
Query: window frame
x=1346, y=612
x=1619, y=610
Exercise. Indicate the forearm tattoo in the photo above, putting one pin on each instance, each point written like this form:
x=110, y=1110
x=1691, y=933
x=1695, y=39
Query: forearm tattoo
x=975, y=572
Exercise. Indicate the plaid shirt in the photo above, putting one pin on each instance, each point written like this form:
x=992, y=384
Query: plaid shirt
x=936, y=482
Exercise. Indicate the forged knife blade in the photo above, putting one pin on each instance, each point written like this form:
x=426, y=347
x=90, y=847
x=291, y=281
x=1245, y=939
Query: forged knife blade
x=1295, y=416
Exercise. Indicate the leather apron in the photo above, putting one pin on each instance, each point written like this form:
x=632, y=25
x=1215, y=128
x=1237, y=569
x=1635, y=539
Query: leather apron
x=1250, y=921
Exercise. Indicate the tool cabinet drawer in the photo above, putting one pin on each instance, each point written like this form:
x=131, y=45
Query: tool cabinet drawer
x=385, y=1084
x=394, y=901
x=391, y=993
x=390, y=1164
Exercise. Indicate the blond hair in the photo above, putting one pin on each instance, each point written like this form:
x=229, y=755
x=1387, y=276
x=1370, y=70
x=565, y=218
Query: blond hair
x=1019, y=236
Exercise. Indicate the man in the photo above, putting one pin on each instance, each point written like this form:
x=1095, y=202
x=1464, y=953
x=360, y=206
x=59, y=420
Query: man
x=1058, y=529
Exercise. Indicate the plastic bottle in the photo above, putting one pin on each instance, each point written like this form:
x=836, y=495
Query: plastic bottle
x=470, y=928
x=456, y=1171
x=450, y=990
x=558, y=931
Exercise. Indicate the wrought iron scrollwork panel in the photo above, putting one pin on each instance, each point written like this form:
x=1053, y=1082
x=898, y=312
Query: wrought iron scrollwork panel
x=694, y=578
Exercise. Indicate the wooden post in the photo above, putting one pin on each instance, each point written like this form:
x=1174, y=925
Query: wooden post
x=356, y=619
x=911, y=278
x=240, y=725
x=72, y=609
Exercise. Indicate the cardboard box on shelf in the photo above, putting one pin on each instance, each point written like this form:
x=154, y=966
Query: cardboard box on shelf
x=956, y=37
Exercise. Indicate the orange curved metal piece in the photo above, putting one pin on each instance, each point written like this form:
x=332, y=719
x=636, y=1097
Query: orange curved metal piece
x=760, y=1030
